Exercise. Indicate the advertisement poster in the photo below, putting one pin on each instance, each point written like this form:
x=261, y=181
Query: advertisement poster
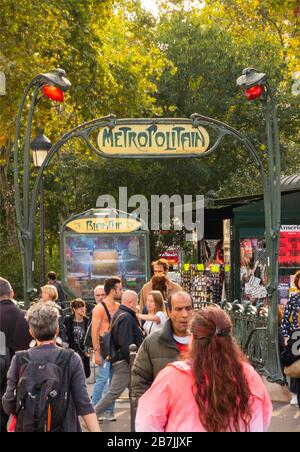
x=283, y=294
x=172, y=258
x=289, y=251
x=90, y=259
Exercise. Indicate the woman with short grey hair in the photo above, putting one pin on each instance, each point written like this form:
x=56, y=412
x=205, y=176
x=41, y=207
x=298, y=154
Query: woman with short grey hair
x=43, y=320
x=43, y=326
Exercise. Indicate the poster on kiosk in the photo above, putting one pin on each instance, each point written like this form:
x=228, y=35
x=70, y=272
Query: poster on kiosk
x=101, y=243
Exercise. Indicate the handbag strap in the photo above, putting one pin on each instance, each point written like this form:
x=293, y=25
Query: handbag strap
x=107, y=311
x=150, y=329
x=115, y=320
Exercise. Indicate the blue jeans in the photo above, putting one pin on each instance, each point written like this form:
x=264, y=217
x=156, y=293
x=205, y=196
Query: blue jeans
x=101, y=387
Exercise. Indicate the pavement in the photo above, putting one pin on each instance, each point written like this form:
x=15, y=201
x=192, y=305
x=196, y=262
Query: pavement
x=285, y=418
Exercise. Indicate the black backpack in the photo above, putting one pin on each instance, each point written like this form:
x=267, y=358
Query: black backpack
x=42, y=393
x=5, y=358
x=108, y=348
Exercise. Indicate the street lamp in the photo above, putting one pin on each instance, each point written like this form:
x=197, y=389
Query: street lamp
x=53, y=85
x=252, y=78
x=255, y=85
x=40, y=147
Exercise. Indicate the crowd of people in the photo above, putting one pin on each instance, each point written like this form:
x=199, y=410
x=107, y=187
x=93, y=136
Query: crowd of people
x=188, y=375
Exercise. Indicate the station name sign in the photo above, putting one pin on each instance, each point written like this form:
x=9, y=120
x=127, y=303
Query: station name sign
x=153, y=139
x=103, y=225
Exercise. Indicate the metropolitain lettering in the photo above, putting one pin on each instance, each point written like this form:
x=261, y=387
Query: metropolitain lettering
x=177, y=138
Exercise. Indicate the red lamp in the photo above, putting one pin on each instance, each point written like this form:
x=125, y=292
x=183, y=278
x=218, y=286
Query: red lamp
x=53, y=93
x=254, y=92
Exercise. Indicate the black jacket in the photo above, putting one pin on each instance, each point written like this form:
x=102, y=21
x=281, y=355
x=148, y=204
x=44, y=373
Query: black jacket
x=60, y=292
x=61, y=324
x=70, y=339
x=126, y=331
x=70, y=330
x=15, y=327
x=157, y=350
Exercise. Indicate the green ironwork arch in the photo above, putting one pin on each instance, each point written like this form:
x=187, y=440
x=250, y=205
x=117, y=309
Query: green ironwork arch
x=85, y=130
x=26, y=210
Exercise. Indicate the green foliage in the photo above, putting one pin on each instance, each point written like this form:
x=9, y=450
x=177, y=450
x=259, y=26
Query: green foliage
x=11, y=266
x=208, y=48
x=122, y=60
x=108, y=52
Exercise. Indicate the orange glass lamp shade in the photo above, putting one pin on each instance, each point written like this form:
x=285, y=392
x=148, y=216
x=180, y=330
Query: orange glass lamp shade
x=53, y=93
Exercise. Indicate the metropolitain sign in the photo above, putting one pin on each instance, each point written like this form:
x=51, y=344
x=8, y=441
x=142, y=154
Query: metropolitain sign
x=153, y=139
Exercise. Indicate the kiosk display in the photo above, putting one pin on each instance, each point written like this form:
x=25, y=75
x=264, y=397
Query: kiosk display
x=90, y=258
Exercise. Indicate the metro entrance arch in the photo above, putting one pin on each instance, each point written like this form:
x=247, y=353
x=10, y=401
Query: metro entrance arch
x=196, y=137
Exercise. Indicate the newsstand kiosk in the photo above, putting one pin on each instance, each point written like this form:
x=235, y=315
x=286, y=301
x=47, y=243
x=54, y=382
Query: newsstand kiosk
x=101, y=243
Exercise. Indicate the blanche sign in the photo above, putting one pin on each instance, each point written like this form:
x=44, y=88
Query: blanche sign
x=103, y=225
x=153, y=139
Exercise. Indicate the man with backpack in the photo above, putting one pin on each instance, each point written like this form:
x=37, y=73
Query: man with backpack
x=14, y=335
x=46, y=389
x=125, y=330
x=101, y=320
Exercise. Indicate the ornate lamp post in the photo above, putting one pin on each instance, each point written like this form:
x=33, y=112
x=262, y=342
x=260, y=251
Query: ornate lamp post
x=40, y=147
x=53, y=85
x=256, y=86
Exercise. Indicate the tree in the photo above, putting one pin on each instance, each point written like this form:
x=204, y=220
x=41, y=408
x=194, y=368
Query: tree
x=208, y=48
x=122, y=60
x=113, y=66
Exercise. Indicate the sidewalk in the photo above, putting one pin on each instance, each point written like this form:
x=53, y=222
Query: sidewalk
x=286, y=418
x=122, y=410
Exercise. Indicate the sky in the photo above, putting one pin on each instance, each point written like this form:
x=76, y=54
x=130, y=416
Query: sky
x=150, y=5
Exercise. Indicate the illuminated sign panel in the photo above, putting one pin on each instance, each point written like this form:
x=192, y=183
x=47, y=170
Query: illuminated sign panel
x=153, y=139
x=103, y=225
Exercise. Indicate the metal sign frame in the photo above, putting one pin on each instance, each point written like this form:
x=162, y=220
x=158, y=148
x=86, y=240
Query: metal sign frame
x=26, y=208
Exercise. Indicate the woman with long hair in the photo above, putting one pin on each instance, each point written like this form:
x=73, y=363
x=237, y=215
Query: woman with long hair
x=215, y=390
x=159, y=283
x=156, y=316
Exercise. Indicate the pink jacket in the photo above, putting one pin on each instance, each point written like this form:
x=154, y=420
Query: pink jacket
x=169, y=404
